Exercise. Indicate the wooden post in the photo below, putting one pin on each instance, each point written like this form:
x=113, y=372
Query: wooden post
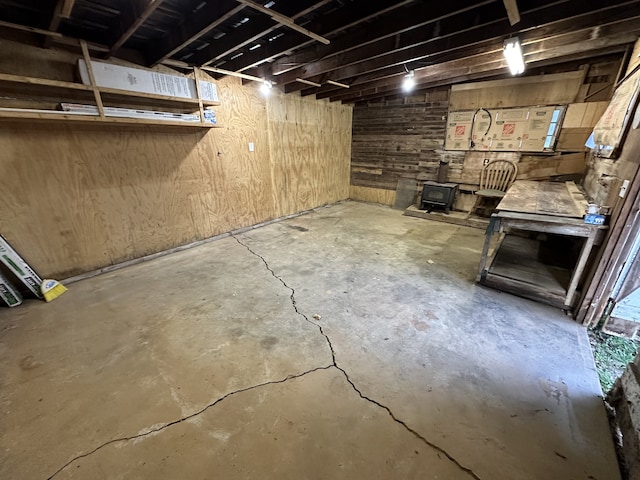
x=92, y=78
x=197, y=79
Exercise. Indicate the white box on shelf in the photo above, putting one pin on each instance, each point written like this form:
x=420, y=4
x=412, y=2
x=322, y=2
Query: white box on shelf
x=132, y=79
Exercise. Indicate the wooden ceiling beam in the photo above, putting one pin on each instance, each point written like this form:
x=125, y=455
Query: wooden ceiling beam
x=24, y=28
x=252, y=31
x=490, y=54
x=359, y=12
x=284, y=20
x=304, y=12
x=436, y=50
x=538, y=68
x=67, y=7
x=489, y=64
x=393, y=23
x=54, y=24
x=447, y=29
x=135, y=24
x=195, y=25
x=511, y=6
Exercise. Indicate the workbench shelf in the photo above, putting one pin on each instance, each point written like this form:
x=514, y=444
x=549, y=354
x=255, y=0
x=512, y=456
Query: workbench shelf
x=517, y=265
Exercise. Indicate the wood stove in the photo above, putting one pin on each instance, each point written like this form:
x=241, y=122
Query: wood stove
x=438, y=195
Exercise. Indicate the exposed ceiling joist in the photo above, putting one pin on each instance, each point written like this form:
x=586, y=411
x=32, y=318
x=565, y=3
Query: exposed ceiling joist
x=195, y=25
x=489, y=63
x=400, y=48
x=24, y=28
x=284, y=20
x=512, y=11
x=56, y=18
x=359, y=13
x=395, y=23
x=243, y=36
x=67, y=7
x=371, y=43
x=234, y=74
x=338, y=84
x=448, y=47
x=377, y=94
x=135, y=25
x=308, y=82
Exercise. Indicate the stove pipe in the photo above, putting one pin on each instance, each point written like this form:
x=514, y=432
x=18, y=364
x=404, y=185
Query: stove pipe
x=443, y=171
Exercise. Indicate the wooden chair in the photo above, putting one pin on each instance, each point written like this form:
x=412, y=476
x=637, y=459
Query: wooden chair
x=495, y=179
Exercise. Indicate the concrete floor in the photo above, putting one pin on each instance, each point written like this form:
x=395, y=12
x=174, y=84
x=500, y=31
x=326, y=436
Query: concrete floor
x=346, y=343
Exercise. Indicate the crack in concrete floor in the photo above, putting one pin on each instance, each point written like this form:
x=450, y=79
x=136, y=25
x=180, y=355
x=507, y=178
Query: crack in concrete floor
x=334, y=364
x=188, y=417
x=355, y=388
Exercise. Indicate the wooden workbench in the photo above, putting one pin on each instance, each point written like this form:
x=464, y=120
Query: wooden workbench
x=512, y=263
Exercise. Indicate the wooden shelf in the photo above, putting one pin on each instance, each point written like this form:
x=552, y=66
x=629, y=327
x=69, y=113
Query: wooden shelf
x=45, y=82
x=516, y=266
x=154, y=96
x=7, y=113
x=42, y=115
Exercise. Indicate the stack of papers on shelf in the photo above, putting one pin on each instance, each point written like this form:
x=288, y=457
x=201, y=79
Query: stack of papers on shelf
x=78, y=108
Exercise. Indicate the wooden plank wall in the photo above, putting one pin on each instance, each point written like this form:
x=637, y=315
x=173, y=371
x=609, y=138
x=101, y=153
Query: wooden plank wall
x=405, y=138
x=77, y=198
x=398, y=140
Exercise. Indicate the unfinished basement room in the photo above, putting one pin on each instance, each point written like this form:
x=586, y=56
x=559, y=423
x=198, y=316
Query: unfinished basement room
x=319, y=239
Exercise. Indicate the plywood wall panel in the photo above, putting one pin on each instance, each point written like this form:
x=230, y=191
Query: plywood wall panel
x=559, y=88
x=372, y=195
x=74, y=198
x=308, y=141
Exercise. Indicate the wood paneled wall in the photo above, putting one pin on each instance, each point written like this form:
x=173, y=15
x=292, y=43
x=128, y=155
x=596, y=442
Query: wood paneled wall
x=399, y=141
x=76, y=198
x=405, y=138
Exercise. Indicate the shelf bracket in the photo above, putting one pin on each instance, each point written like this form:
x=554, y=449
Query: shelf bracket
x=92, y=78
x=200, y=106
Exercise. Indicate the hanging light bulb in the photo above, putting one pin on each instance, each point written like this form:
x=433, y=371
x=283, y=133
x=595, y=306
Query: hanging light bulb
x=513, y=54
x=265, y=88
x=409, y=82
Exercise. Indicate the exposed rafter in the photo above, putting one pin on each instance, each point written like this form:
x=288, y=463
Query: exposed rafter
x=371, y=43
x=393, y=23
x=360, y=12
x=462, y=44
x=512, y=11
x=261, y=26
x=135, y=24
x=491, y=62
x=56, y=18
x=195, y=25
x=403, y=46
x=284, y=20
x=67, y=7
